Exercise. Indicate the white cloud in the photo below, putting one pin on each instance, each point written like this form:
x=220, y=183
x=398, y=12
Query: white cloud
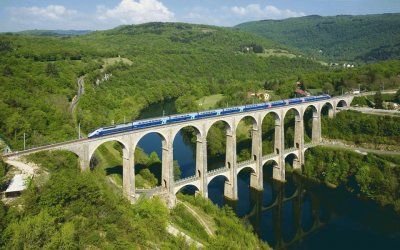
x=269, y=11
x=48, y=13
x=133, y=12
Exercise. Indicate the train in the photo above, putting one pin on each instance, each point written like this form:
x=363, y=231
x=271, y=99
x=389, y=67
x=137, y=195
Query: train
x=141, y=124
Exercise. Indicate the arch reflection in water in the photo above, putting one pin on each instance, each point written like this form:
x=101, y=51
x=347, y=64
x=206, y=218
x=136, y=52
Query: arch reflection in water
x=281, y=221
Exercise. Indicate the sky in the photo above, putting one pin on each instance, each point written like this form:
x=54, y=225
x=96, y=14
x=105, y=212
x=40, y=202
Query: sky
x=17, y=15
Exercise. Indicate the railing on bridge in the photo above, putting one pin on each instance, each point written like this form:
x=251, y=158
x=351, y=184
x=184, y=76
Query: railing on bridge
x=269, y=156
x=187, y=180
x=244, y=163
x=289, y=150
x=217, y=171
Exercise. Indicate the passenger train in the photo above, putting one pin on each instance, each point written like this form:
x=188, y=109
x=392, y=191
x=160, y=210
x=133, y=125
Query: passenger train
x=140, y=124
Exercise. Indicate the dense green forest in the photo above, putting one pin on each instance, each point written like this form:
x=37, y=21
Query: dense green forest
x=373, y=176
x=339, y=39
x=72, y=210
x=362, y=128
x=149, y=63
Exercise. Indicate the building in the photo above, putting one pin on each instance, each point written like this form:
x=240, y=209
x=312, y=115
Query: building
x=17, y=185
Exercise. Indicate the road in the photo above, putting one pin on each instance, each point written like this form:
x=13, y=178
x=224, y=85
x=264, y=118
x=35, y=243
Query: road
x=81, y=89
x=340, y=145
x=389, y=91
x=370, y=110
x=30, y=169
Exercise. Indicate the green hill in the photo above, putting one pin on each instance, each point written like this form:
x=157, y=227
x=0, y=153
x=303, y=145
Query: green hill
x=338, y=38
x=166, y=60
x=54, y=32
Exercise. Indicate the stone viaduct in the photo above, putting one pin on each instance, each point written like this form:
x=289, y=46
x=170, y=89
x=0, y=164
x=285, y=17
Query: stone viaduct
x=85, y=148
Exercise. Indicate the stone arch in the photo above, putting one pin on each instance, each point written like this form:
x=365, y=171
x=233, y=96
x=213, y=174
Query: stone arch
x=216, y=186
x=269, y=168
x=292, y=132
x=165, y=177
x=342, y=103
x=253, y=171
x=95, y=145
x=193, y=166
x=177, y=129
x=227, y=123
x=245, y=149
x=294, y=160
x=223, y=144
x=327, y=109
x=311, y=129
x=267, y=136
x=186, y=186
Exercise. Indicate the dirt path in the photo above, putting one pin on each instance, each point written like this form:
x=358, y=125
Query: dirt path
x=26, y=168
x=174, y=231
x=198, y=217
x=81, y=89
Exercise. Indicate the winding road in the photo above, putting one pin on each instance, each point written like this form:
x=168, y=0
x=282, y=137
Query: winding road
x=81, y=89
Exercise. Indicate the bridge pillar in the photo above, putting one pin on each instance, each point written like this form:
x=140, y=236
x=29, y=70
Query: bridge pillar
x=84, y=157
x=230, y=190
x=168, y=164
x=299, y=139
x=256, y=179
x=277, y=173
x=201, y=164
x=128, y=181
x=316, y=127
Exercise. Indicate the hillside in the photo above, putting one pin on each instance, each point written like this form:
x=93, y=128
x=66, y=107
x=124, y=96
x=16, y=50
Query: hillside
x=168, y=60
x=54, y=32
x=364, y=38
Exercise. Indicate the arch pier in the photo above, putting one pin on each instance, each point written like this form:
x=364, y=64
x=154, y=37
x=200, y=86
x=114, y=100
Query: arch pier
x=85, y=148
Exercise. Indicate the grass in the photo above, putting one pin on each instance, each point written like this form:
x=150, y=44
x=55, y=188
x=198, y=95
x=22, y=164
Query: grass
x=112, y=60
x=187, y=223
x=209, y=102
x=111, y=161
x=276, y=52
x=204, y=216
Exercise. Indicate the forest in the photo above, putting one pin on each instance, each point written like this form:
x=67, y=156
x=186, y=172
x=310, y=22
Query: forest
x=338, y=39
x=371, y=176
x=184, y=61
x=146, y=64
x=68, y=209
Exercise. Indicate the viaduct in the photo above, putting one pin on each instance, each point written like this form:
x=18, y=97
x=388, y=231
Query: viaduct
x=85, y=148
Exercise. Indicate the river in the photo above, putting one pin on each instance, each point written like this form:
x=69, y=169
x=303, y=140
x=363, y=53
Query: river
x=296, y=215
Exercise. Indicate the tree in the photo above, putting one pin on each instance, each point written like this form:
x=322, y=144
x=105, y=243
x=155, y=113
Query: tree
x=378, y=100
x=177, y=171
x=397, y=96
x=51, y=70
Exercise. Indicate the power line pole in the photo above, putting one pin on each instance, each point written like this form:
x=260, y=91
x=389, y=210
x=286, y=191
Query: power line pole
x=79, y=130
x=24, y=142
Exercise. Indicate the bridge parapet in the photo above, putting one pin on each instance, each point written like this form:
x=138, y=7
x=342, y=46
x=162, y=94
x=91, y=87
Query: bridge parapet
x=269, y=156
x=217, y=171
x=289, y=150
x=186, y=180
x=245, y=163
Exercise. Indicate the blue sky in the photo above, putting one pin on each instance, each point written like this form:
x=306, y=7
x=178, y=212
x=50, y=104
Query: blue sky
x=16, y=15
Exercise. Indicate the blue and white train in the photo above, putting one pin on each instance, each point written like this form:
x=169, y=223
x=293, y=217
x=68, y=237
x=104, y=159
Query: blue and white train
x=140, y=124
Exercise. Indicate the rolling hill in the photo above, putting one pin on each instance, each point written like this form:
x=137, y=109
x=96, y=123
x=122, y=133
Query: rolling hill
x=365, y=38
x=166, y=60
